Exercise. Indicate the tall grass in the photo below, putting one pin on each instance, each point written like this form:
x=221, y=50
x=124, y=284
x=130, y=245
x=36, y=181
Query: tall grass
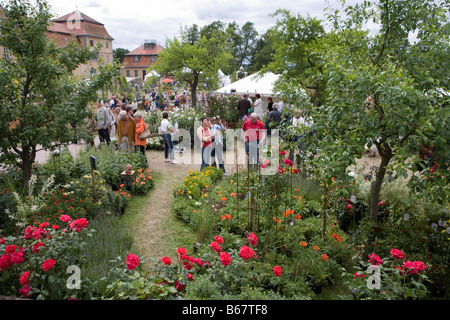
x=109, y=241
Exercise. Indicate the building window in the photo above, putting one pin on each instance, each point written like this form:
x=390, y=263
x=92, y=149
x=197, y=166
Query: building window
x=137, y=59
x=128, y=73
x=153, y=58
x=91, y=43
x=144, y=73
x=136, y=73
x=107, y=45
x=107, y=59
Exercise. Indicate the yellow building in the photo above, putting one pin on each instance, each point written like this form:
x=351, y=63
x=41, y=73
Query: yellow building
x=87, y=32
x=136, y=62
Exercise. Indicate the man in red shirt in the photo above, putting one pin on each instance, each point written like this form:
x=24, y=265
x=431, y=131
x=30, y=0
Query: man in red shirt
x=254, y=134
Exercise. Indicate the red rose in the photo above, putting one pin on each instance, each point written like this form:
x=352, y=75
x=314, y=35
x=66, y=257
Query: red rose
x=218, y=239
x=48, y=264
x=24, y=278
x=246, y=253
x=253, y=239
x=132, y=261
x=10, y=249
x=179, y=286
x=5, y=262
x=24, y=291
x=79, y=224
x=166, y=261
x=65, y=218
x=277, y=271
x=36, y=247
x=215, y=246
x=225, y=258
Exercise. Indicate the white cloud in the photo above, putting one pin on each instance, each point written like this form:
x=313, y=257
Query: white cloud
x=131, y=22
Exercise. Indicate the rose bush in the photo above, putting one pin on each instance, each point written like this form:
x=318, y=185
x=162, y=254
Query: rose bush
x=34, y=265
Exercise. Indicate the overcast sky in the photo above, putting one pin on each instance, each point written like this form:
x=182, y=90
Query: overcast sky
x=130, y=22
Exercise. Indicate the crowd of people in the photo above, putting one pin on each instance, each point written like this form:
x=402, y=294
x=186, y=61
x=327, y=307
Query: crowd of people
x=121, y=119
x=118, y=119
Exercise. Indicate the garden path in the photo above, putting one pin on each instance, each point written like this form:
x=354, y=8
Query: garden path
x=155, y=231
x=152, y=233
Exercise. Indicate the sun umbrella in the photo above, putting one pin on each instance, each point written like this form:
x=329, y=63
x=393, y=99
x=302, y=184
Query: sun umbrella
x=167, y=80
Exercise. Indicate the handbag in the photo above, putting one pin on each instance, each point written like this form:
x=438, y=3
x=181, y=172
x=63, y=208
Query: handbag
x=145, y=134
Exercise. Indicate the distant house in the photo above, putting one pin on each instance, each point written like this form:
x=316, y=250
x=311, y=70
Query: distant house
x=87, y=32
x=137, y=61
x=84, y=30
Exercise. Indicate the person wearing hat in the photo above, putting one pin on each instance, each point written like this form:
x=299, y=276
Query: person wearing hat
x=126, y=131
x=217, y=145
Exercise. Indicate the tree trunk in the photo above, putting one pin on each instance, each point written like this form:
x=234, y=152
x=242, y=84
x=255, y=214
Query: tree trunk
x=386, y=156
x=27, y=157
x=194, y=84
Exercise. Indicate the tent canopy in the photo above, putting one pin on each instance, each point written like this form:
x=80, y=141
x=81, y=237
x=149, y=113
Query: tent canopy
x=253, y=83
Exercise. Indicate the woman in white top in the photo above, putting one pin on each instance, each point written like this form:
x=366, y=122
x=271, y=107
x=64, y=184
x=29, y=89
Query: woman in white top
x=167, y=129
x=258, y=109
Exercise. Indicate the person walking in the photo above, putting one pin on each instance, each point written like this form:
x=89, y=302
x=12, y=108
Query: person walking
x=103, y=123
x=273, y=120
x=126, y=131
x=141, y=126
x=217, y=146
x=243, y=106
x=167, y=129
x=254, y=135
x=258, y=106
x=205, y=136
x=270, y=103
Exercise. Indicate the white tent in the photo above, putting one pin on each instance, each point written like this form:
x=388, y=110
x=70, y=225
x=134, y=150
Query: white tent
x=224, y=80
x=252, y=84
x=152, y=73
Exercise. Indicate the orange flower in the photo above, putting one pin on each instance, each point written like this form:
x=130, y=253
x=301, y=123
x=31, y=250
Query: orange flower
x=223, y=199
x=233, y=194
x=337, y=237
x=324, y=257
x=223, y=218
x=298, y=217
x=122, y=185
x=316, y=248
x=276, y=220
x=228, y=216
x=303, y=243
x=288, y=212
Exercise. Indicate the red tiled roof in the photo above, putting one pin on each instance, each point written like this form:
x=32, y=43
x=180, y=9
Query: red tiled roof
x=77, y=16
x=60, y=28
x=81, y=25
x=142, y=51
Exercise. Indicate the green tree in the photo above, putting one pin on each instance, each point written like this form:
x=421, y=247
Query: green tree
x=39, y=97
x=295, y=40
x=196, y=62
x=263, y=52
x=379, y=88
x=119, y=54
